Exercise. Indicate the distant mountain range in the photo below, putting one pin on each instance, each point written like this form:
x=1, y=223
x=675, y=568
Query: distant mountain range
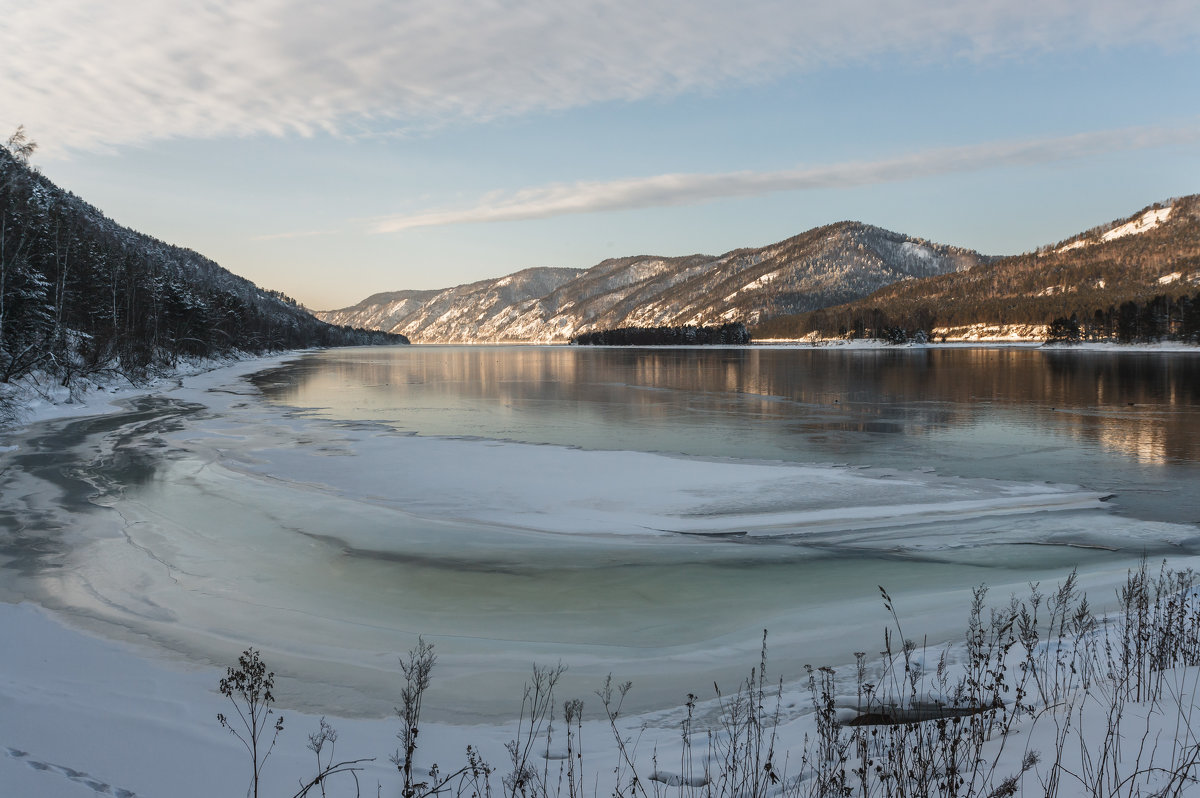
x=847, y=278
x=82, y=295
x=1135, y=278
x=825, y=266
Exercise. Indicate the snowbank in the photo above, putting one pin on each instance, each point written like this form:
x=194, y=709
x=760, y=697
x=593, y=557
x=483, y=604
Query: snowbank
x=83, y=715
x=38, y=397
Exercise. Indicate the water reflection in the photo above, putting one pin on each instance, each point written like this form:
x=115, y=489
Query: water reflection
x=1142, y=406
x=1122, y=422
x=195, y=526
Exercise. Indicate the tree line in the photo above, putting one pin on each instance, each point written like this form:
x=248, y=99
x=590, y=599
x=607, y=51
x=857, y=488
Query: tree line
x=1160, y=318
x=1135, y=288
x=80, y=294
x=689, y=335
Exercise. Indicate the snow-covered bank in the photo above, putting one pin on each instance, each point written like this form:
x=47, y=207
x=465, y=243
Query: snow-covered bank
x=37, y=397
x=196, y=521
x=80, y=716
x=352, y=539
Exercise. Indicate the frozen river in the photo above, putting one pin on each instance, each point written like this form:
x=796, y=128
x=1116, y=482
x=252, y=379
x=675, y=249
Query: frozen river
x=641, y=512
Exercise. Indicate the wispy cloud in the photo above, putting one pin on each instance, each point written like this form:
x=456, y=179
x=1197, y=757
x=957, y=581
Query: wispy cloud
x=688, y=189
x=88, y=73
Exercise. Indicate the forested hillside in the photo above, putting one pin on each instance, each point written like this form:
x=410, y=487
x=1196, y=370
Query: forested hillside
x=1133, y=279
x=823, y=266
x=80, y=294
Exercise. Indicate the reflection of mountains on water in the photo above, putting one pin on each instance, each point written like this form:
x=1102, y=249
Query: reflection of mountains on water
x=333, y=545
x=1137, y=404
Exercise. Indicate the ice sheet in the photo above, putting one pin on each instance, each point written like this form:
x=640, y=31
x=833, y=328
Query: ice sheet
x=560, y=490
x=201, y=521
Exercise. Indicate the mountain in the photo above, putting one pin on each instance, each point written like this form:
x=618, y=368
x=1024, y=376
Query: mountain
x=824, y=266
x=80, y=294
x=1142, y=268
x=489, y=308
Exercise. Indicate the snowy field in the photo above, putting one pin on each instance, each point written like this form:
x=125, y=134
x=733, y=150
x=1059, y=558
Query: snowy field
x=157, y=541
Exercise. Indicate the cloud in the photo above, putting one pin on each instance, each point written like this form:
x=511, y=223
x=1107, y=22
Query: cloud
x=689, y=189
x=93, y=73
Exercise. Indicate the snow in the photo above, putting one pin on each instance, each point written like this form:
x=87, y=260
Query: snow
x=992, y=333
x=1013, y=341
x=765, y=280
x=917, y=250
x=983, y=335
x=755, y=284
x=1167, y=279
x=1083, y=242
x=1144, y=223
x=38, y=398
x=82, y=715
x=557, y=491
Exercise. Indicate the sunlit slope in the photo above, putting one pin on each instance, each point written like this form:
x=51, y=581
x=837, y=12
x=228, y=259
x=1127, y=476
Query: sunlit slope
x=1153, y=253
x=824, y=266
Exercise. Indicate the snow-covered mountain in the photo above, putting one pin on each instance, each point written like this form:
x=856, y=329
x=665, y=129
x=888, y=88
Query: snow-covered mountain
x=1134, y=278
x=825, y=266
x=487, y=308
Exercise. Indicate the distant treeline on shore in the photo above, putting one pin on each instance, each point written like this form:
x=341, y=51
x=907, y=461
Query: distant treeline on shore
x=1159, y=318
x=690, y=335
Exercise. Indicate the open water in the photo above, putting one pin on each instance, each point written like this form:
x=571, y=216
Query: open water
x=644, y=512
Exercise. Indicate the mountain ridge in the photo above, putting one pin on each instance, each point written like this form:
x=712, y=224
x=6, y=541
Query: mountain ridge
x=1149, y=257
x=819, y=267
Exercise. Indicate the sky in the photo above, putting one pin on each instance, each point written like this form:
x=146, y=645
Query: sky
x=335, y=150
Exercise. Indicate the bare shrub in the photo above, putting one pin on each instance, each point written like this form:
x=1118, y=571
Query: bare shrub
x=248, y=688
x=916, y=722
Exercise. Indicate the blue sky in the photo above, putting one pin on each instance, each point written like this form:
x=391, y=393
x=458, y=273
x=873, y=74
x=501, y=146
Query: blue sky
x=334, y=150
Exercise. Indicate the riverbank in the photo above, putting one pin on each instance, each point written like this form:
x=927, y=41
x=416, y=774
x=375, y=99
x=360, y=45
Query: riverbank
x=81, y=717
x=78, y=711
x=999, y=343
x=40, y=397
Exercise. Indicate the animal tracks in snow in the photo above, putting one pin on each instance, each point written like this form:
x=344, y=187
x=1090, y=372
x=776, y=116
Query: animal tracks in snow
x=96, y=785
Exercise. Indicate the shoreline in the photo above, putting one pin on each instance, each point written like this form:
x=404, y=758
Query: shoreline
x=1162, y=347
x=78, y=707
x=859, y=343
x=33, y=402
